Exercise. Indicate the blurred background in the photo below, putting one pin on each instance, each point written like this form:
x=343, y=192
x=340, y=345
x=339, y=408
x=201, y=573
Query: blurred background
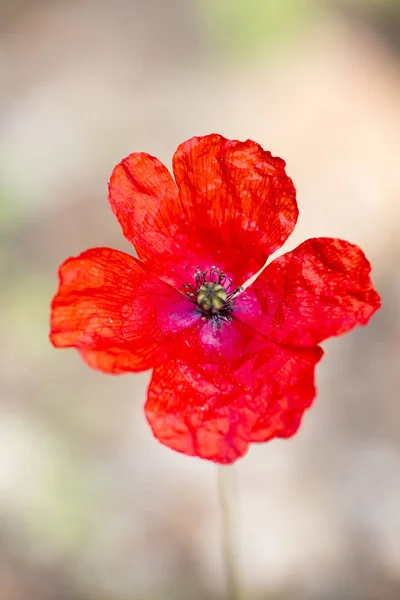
x=91, y=506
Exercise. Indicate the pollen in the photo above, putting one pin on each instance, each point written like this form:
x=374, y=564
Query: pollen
x=212, y=297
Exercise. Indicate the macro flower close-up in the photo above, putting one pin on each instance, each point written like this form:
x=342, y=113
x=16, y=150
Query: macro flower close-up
x=233, y=343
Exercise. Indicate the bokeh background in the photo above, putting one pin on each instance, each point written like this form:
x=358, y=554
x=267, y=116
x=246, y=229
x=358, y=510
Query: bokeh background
x=91, y=506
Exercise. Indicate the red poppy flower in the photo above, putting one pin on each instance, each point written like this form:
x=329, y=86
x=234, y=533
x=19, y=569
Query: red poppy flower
x=230, y=366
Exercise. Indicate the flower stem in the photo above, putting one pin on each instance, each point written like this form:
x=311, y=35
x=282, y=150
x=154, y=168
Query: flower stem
x=227, y=496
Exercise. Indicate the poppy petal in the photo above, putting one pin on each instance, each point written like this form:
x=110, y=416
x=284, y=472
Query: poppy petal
x=235, y=207
x=286, y=389
x=115, y=313
x=223, y=343
x=240, y=199
x=145, y=200
x=203, y=411
x=320, y=289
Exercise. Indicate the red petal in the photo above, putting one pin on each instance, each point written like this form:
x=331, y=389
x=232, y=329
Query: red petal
x=145, y=200
x=320, y=289
x=115, y=313
x=286, y=388
x=205, y=412
x=235, y=206
x=226, y=344
x=239, y=196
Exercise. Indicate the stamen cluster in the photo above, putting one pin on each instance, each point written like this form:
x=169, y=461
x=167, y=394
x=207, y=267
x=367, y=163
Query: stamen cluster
x=212, y=294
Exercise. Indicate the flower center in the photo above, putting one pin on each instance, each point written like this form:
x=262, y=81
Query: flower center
x=211, y=294
x=211, y=297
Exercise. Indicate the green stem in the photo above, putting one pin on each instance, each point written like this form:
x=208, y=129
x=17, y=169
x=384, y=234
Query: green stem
x=227, y=496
